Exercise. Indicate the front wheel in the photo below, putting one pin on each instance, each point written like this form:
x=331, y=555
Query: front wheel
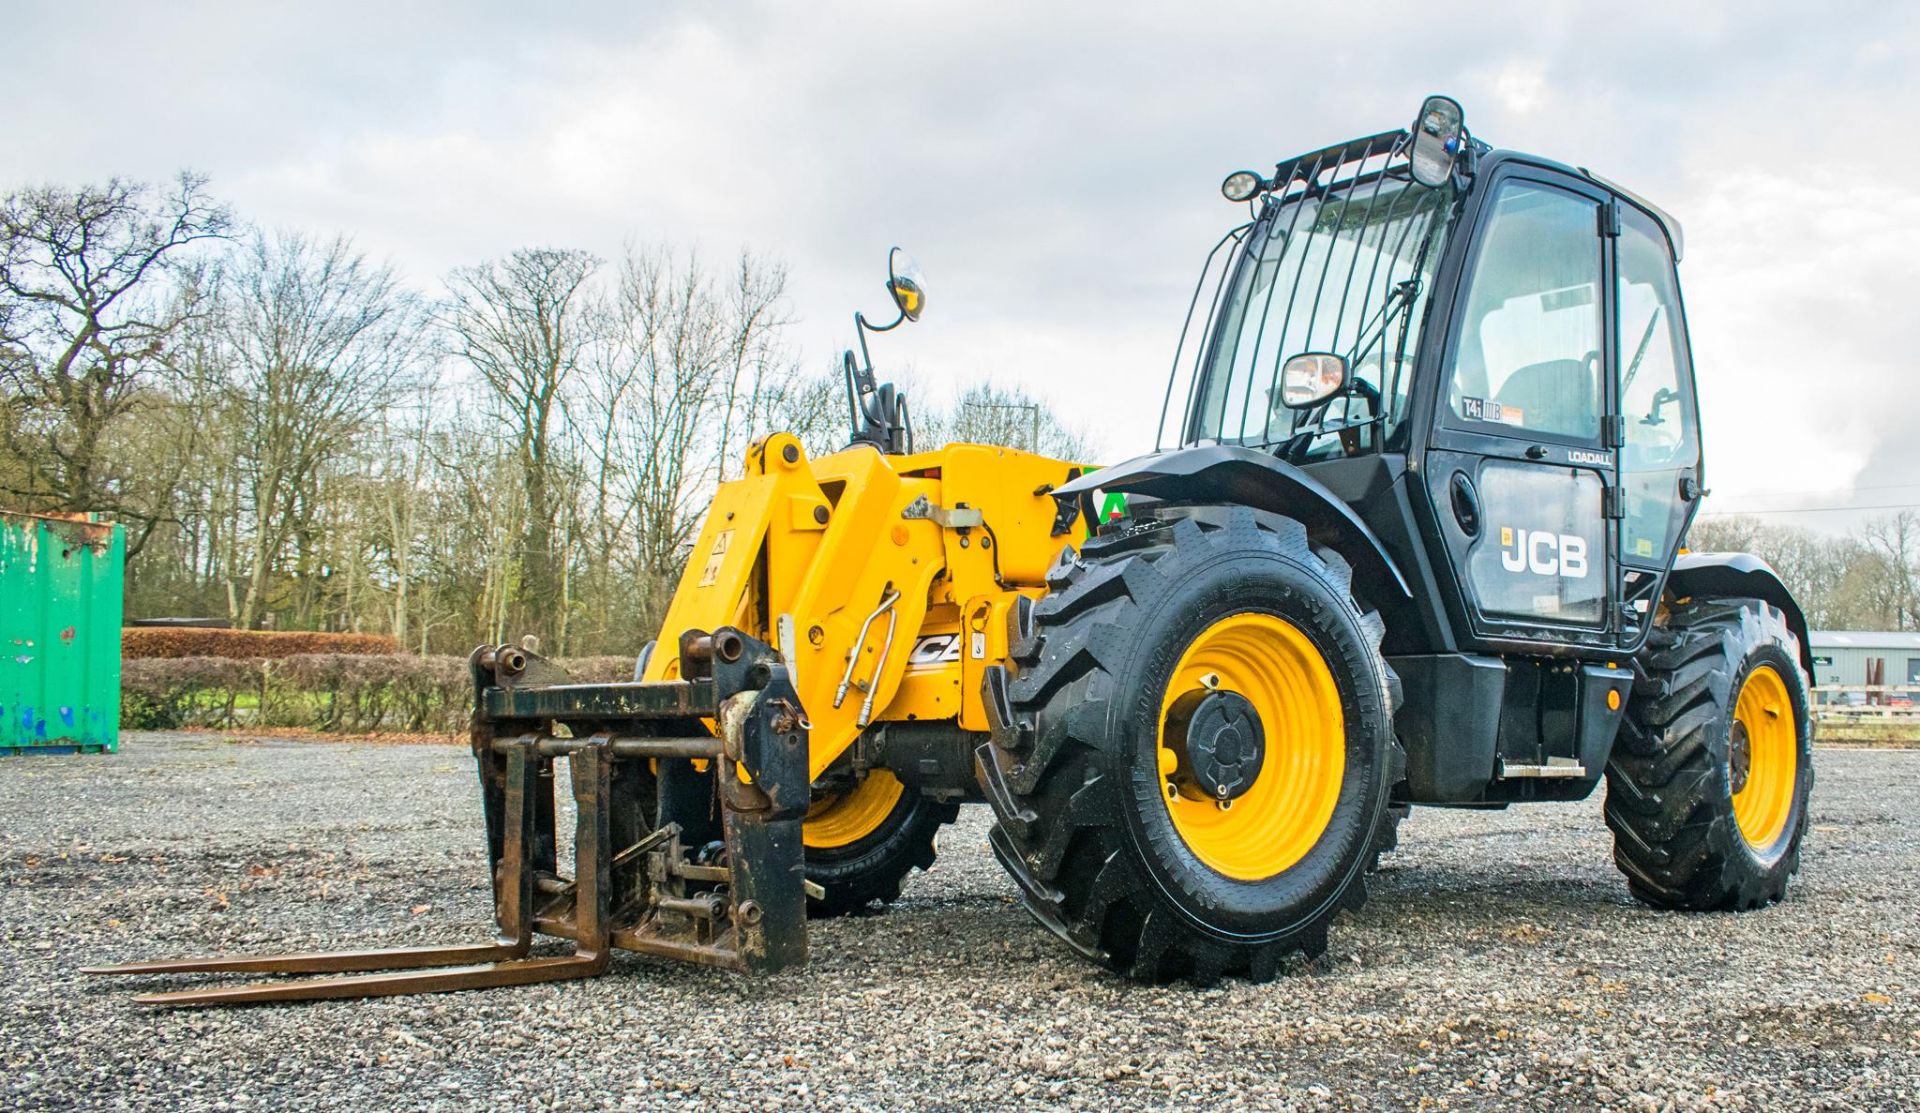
x=1708, y=783
x=1190, y=768
x=863, y=839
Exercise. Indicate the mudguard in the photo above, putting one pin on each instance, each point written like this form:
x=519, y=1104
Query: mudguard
x=1744, y=575
x=1243, y=477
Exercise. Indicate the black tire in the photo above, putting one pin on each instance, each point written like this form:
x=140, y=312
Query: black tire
x=1670, y=780
x=1072, y=770
x=1387, y=838
x=871, y=869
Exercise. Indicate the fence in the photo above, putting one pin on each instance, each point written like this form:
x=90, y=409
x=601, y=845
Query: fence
x=1890, y=705
x=328, y=692
x=1888, y=701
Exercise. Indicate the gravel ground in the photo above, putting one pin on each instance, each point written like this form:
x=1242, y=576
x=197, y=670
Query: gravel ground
x=1499, y=963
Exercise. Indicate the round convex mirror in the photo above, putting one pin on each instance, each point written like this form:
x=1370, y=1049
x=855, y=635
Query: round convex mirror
x=907, y=285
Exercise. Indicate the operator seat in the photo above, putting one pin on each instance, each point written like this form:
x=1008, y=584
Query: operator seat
x=1557, y=396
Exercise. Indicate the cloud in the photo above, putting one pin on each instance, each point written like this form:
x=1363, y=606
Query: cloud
x=1054, y=167
x=1804, y=357
x=1521, y=86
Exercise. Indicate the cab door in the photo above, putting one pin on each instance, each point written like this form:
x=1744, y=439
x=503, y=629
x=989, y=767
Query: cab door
x=1521, y=463
x=1660, y=480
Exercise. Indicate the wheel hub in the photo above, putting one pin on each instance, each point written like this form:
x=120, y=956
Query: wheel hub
x=1739, y=757
x=1219, y=740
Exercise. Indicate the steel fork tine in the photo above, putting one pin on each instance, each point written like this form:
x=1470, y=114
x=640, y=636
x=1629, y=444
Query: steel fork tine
x=319, y=962
x=521, y=972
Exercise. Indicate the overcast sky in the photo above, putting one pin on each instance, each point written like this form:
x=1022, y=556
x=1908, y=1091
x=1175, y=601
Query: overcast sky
x=1054, y=168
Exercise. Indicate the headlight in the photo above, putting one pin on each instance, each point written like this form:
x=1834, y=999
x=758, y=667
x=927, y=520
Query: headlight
x=1241, y=185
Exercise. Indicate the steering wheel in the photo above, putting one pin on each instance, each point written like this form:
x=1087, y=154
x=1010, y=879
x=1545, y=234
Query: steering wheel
x=1368, y=390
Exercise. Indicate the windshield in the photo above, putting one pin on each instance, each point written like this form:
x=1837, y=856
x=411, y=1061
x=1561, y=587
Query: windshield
x=1343, y=268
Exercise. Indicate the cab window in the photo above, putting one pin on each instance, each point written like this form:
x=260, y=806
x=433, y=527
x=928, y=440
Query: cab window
x=1529, y=360
x=1656, y=392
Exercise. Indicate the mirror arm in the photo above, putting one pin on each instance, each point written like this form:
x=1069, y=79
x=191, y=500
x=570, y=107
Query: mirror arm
x=865, y=369
x=878, y=413
x=860, y=321
x=851, y=368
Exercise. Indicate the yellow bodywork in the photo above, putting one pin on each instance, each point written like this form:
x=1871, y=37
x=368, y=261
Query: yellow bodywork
x=827, y=541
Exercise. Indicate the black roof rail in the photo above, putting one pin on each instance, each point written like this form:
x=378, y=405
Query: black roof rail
x=1667, y=220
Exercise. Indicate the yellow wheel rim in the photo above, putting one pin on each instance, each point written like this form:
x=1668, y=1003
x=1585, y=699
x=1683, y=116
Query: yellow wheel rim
x=845, y=819
x=1764, y=802
x=1282, y=814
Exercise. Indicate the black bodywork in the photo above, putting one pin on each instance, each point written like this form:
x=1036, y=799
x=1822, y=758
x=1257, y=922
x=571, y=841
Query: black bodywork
x=1497, y=708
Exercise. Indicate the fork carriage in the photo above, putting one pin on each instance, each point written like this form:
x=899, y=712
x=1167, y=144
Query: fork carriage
x=687, y=840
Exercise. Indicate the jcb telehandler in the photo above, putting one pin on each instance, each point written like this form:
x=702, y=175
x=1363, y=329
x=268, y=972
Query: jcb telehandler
x=1418, y=541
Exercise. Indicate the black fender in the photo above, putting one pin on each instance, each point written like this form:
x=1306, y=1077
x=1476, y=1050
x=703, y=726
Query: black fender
x=1742, y=575
x=1243, y=477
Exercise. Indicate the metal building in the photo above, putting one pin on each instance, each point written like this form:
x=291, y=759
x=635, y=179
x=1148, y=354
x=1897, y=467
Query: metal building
x=1846, y=656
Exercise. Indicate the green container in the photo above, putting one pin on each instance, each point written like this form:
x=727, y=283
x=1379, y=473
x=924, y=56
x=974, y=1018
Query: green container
x=60, y=586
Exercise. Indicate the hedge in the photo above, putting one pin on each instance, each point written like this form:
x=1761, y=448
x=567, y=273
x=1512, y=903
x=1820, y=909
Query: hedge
x=199, y=641
x=343, y=693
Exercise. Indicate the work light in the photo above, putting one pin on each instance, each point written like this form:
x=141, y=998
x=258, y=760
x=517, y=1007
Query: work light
x=1241, y=185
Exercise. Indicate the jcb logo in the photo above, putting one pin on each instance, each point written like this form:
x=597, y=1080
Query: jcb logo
x=934, y=649
x=1543, y=553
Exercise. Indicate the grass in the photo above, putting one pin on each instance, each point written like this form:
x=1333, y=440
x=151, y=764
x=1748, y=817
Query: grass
x=1894, y=735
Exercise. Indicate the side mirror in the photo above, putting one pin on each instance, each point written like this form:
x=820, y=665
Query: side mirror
x=879, y=412
x=1436, y=139
x=1308, y=379
x=907, y=285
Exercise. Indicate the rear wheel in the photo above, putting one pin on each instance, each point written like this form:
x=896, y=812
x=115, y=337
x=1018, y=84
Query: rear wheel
x=1708, y=783
x=1190, y=766
x=863, y=839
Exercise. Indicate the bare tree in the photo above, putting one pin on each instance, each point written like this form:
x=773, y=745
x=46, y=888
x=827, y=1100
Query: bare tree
x=1864, y=580
x=690, y=368
x=1734, y=533
x=751, y=320
x=403, y=497
x=265, y=424
x=523, y=324
x=95, y=282
x=319, y=341
x=986, y=413
x=813, y=407
x=1895, y=539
